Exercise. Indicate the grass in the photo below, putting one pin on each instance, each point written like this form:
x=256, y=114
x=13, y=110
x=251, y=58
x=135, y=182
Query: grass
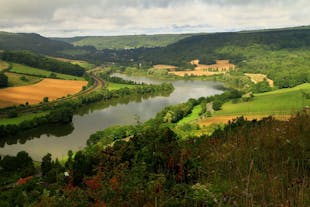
x=117, y=86
x=22, y=69
x=284, y=101
x=20, y=119
x=191, y=117
x=16, y=80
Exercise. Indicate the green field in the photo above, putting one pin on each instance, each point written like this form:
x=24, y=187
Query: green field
x=22, y=69
x=117, y=86
x=284, y=101
x=20, y=119
x=17, y=80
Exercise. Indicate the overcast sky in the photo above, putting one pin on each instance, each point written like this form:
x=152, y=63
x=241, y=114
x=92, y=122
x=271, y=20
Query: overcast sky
x=118, y=17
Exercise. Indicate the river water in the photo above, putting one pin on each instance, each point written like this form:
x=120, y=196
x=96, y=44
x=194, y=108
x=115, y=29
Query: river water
x=58, y=139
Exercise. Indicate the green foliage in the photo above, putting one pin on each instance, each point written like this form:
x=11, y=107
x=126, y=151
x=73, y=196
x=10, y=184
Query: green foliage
x=3, y=80
x=21, y=163
x=39, y=61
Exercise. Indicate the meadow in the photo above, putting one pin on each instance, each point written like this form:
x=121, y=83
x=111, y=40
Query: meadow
x=22, y=69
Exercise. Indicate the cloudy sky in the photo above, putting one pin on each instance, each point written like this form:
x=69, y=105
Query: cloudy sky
x=116, y=17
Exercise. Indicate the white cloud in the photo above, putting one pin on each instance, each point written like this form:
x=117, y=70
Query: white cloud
x=109, y=17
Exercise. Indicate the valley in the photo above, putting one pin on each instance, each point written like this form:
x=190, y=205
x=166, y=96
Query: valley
x=206, y=119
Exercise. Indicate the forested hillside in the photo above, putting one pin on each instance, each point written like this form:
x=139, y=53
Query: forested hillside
x=126, y=41
x=39, y=44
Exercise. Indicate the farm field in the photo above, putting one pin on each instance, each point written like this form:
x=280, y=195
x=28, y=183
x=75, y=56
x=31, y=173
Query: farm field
x=225, y=119
x=17, y=80
x=284, y=101
x=281, y=104
x=51, y=88
x=22, y=69
x=165, y=67
x=3, y=65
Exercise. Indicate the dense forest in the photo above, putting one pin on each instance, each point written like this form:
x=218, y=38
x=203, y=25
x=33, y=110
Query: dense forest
x=38, y=44
x=45, y=63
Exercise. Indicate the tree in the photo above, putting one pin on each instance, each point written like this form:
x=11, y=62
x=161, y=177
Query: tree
x=45, y=99
x=46, y=164
x=3, y=80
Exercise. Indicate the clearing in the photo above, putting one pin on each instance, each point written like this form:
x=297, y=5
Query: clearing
x=257, y=77
x=33, y=94
x=22, y=69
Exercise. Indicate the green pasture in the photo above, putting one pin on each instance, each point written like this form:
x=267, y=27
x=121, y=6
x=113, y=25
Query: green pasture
x=22, y=69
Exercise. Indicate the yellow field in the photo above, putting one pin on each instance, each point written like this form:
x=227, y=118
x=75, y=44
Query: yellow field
x=224, y=119
x=3, y=65
x=257, y=77
x=51, y=88
x=165, y=67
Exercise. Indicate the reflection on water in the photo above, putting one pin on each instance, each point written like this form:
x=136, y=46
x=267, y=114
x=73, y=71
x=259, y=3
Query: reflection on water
x=57, y=140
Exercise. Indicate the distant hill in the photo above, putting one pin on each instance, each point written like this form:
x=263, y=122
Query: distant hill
x=125, y=42
x=37, y=43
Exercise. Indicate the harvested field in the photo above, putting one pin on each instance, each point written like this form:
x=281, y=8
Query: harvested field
x=35, y=93
x=165, y=67
x=257, y=77
x=195, y=73
x=224, y=119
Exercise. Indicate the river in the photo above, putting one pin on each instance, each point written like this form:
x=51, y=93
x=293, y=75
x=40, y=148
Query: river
x=58, y=139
